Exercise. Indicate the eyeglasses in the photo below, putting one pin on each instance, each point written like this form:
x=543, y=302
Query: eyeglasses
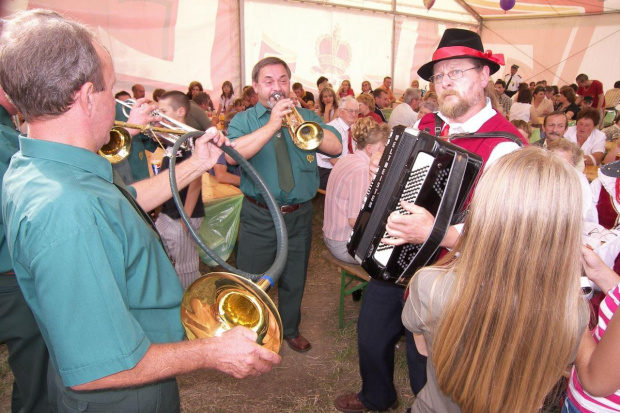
x=452, y=74
x=351, y=111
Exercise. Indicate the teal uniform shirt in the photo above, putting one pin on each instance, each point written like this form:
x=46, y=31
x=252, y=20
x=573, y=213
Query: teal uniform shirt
x=9, y=145
x=137, y=159
x=93, y=272
x=305, y=172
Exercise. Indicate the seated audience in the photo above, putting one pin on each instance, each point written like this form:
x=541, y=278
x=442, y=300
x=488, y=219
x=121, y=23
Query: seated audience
x=223, y=172
x=328, y=104
x=554, y=126
x=613, y=130
x=238, y=106
x=196, y=117
x=367, y=107
x=250, y=98
x=203, y=100
x=573, y=155
x=521, y=109
x=305, y=98
x=427, y=106
x=523, y=127
x=387, y=87
x=123, y=96
x=541, y=106
x=349, y=109
x=612, y=96
x=594, y=384
x=500, y=334
x=138, y=91
x=585, y=134
x=157, y=94
x=522, y=86
x=366, y=87
x=226, y=99
x=432, y=96
x=504, y=99
x=348, y=185
x=193, y=88
x=566, y=102
x=406, y=113
x=178, y=243
x=345, y=89
x=382, y=101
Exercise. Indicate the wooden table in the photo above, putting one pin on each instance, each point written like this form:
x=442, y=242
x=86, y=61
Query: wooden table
x=591, y=172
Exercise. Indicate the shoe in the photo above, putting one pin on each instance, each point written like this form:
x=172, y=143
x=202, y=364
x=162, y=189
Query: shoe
x=350, y=403
x=299, y=344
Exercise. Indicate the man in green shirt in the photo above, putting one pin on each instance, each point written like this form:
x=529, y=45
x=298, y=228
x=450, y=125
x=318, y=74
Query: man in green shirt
x=18, y=329
x=292, y=177
x=91, y=266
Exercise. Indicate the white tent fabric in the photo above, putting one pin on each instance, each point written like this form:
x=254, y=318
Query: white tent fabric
x=169, y=43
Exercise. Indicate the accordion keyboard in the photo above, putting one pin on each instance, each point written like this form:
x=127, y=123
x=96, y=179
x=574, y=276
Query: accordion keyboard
x=410, y=193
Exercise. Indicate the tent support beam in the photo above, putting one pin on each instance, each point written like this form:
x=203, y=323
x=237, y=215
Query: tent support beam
x=546, y=16
x=470, y=10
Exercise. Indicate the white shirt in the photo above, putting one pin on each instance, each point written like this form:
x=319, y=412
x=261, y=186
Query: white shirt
x=403, y=114
x=514, y=82
x=594, y=144
x=342, y=128
x=520, y=111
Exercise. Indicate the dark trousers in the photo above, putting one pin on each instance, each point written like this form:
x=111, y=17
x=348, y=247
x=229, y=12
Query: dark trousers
x=257, y=251
x=160, y=397
x=27, y=351
x=379, y=328
x=324, y=177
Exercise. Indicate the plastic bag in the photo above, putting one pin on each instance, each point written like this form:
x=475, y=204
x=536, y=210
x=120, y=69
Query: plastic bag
x=220, y=227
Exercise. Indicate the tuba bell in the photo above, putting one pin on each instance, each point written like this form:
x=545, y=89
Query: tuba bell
x=306, y=135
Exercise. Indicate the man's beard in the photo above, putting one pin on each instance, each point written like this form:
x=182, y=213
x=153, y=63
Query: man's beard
x=453, y=110
x=271, y=102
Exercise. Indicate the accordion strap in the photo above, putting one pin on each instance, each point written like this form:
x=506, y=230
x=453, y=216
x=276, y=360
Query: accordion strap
x=444, y=213
x=505, y=135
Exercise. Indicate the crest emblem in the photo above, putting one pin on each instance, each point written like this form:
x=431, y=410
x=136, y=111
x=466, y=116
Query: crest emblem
x=310, y=158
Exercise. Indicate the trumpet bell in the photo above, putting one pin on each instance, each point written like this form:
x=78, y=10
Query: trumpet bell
x=220, y=301
x=308, y=136
x=118, y=147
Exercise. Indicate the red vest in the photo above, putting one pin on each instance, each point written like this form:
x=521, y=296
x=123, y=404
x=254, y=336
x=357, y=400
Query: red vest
x=479, y=146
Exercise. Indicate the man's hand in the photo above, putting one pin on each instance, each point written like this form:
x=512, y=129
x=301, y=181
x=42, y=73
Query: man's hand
x=279, y=111
x=140, y=114
x=409, y=229
x=597, y=271
x=236, y=353
x=207, y=147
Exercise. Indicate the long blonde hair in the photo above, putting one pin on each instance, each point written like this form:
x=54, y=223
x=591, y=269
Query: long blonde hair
x=511, y=324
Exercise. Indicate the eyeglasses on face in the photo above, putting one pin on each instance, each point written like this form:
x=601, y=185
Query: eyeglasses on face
x=351, y=111
x=452, y=74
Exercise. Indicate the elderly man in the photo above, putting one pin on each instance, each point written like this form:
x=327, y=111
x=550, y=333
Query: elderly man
x=406, y=113
x=138, y=91
x=554, y=126
x=512, y=80
x=347, y=114
x=381, y=102
x=292, y=177
x=460, y=71
x=504, y=99
x=91, y=266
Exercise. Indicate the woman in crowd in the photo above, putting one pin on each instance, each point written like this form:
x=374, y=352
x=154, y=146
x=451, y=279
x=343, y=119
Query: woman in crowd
x=328, y=104
x=594, y=384
x=193, y=88
x=366, y=88
x=348, y=184
x=345, y=89
x=367, y=107
x=541, y=106
x=500, y=334
x=226, y=99
x=584, y=133
x=522, y=86
x=566, y=102
x=521, y=109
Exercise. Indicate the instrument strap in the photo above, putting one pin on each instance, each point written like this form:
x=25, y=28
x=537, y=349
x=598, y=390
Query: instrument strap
x=481, y=135
x=438, y=124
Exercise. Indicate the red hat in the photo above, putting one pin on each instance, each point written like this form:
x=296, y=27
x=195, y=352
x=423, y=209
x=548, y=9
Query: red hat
x=461, y=44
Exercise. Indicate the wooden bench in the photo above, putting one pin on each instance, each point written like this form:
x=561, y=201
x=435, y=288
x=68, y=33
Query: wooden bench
x=349, y=274
x=322, y=192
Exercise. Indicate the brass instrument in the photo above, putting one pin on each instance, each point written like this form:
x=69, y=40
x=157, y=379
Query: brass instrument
x=118, y=147
x=306, y=135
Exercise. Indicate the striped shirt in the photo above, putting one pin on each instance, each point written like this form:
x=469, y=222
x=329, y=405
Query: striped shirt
x=584, y=401
x=346, y=189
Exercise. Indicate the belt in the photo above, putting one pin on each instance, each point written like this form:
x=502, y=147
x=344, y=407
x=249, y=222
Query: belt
x=10, y=272
x=285, y=209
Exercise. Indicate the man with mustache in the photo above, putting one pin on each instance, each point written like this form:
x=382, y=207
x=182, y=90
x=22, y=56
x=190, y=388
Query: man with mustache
x=292, y=177
x=460, y=71
x=554, y=126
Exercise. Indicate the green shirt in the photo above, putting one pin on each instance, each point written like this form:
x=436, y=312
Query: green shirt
x=137, y=159
x=9, y=144
x=305, y=172
x=93, y=272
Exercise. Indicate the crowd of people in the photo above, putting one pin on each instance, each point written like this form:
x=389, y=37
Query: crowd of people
x=492, y=326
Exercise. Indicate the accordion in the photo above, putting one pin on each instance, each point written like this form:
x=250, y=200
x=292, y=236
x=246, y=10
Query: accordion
x=418, y=168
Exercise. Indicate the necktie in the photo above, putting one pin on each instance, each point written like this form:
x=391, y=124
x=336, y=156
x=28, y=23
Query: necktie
x=283, y=162
x=118, y=182
x=508, y=83
x=446, y=130
x=350, y=142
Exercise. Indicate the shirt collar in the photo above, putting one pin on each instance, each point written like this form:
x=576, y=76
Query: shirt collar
x=260, y=110
x=66, y=154
x=342, y=124
x=474, y=123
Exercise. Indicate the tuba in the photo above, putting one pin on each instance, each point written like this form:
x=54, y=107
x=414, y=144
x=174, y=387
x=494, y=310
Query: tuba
x=220, y=301
x=306, y=135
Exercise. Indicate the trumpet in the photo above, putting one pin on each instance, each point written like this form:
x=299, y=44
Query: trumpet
x=306, y=135
x=119, y=145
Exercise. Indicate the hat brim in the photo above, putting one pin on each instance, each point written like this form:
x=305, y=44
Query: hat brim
x=426, y=70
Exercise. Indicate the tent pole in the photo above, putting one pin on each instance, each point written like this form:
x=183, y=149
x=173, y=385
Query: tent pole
x=393, y=59
x=240, y=4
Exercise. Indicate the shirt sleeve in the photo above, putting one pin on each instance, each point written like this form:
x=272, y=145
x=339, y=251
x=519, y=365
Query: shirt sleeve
x=83, y=305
